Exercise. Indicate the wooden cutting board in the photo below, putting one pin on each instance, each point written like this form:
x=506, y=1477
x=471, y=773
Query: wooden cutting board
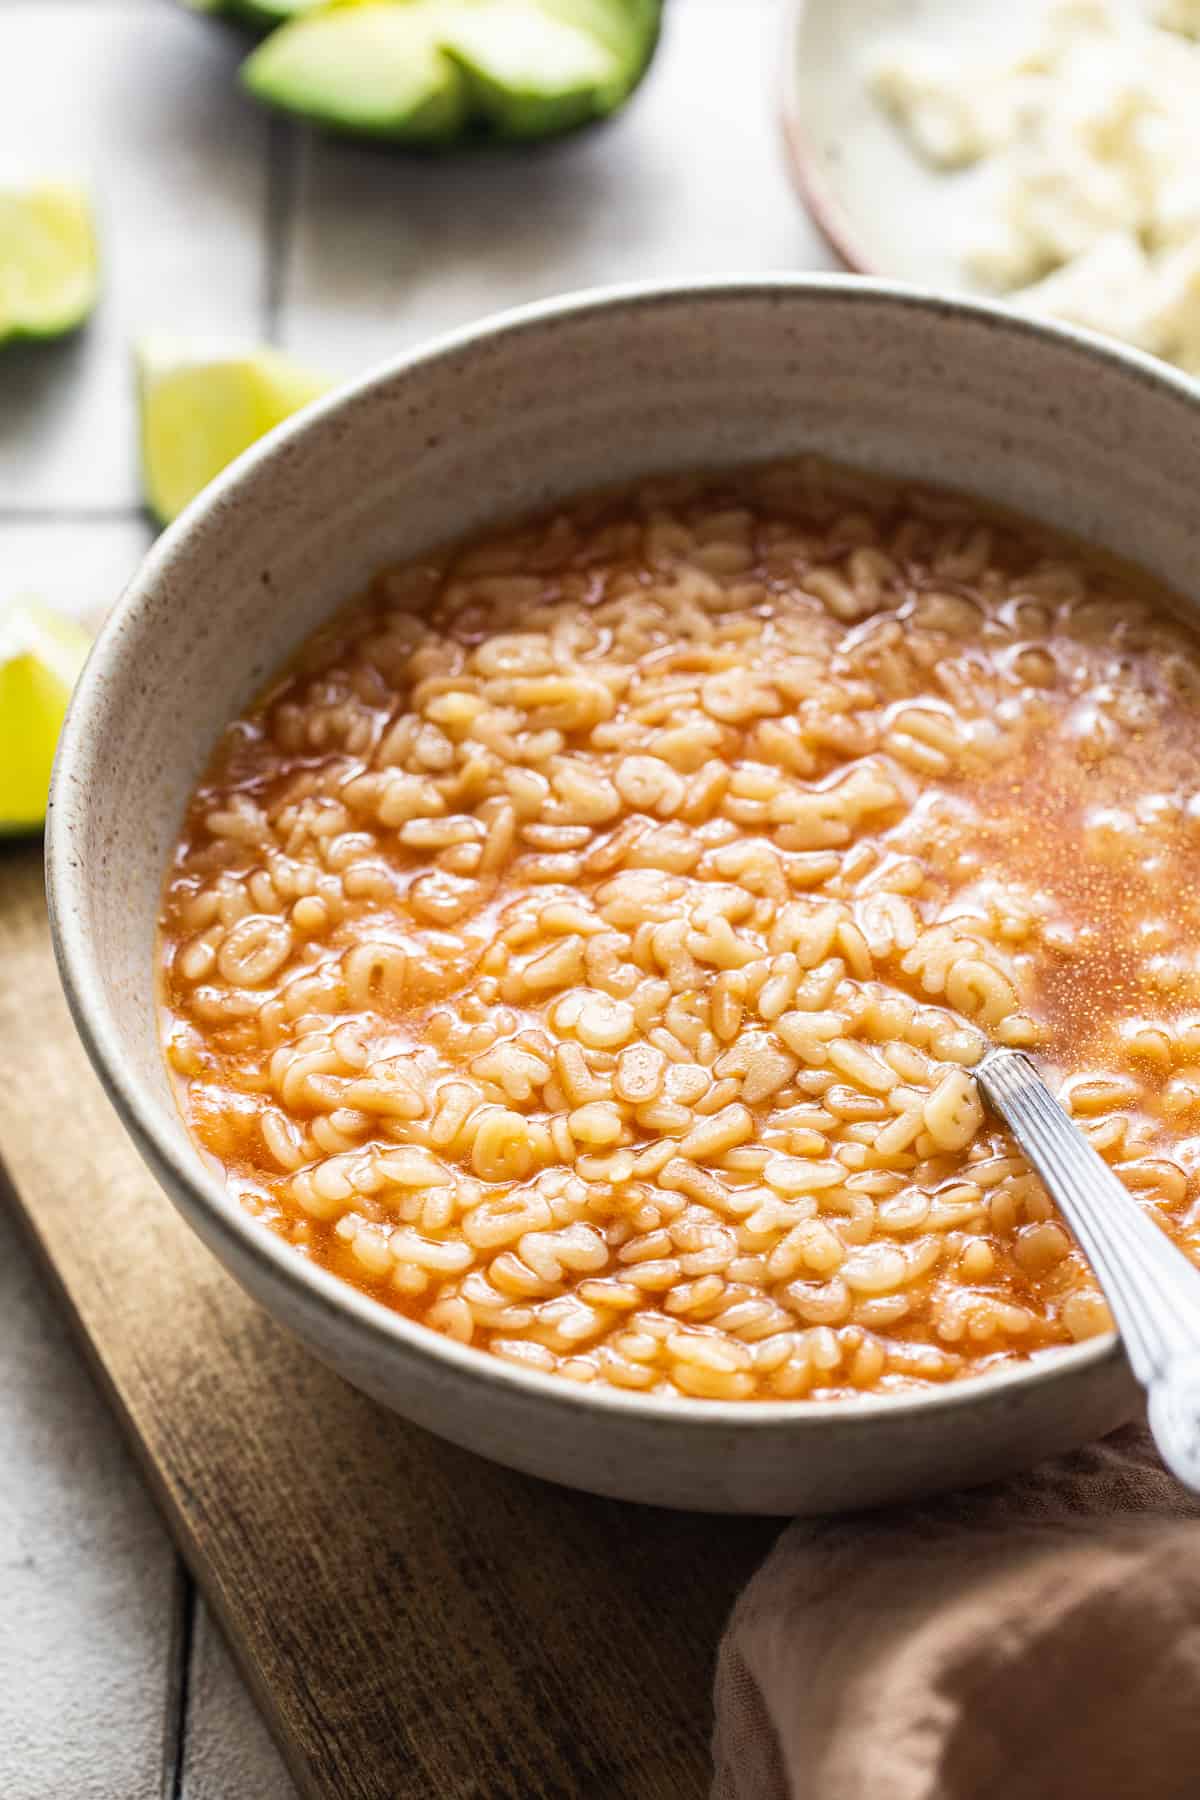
x=415, y=1622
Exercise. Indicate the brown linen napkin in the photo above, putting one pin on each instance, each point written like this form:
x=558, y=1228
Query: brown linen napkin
x=1033, y=1641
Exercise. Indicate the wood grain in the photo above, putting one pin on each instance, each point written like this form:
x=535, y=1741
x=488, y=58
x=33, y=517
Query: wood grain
x=415, y=1622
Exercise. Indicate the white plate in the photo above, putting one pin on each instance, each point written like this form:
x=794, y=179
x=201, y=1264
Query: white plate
x=884, y=210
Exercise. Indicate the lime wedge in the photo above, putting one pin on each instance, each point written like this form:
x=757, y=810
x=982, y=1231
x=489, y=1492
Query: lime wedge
x=41, y=654
x=48, y=262
x=199, y=410
x=433, y=71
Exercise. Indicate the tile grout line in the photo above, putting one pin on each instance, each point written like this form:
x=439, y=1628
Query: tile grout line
x=182, y=1650
x=279, y=215
x=116, y=514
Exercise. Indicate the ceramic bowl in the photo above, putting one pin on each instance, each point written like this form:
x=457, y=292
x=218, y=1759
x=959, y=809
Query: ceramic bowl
x=510, y=415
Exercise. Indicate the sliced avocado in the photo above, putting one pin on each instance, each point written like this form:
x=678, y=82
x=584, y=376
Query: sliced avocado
x=263, y=15
x=431, y=71
x=627, y=28
x=377, y=69
x=528, y=73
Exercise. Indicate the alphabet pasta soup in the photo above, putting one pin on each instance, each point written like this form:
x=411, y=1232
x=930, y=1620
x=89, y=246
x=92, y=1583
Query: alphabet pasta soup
x=584, y=946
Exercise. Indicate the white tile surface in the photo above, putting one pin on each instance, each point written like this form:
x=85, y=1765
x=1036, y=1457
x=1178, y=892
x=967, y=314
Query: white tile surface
x=227, y=1752
x=87, y=1574
x=140, y=101
x=77, y=567
x=86, y=1571
x=689, y=179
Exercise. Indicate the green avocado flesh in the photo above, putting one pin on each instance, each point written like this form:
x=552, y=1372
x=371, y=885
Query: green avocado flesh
x=261, y=13
x=431, y=71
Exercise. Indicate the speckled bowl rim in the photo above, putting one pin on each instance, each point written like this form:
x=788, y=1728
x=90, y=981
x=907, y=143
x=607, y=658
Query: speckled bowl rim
x=375, y=1324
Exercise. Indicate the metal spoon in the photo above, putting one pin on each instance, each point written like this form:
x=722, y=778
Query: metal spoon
x=1152, y=1289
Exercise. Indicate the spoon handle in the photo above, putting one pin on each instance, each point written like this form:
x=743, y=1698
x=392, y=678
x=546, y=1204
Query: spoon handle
x=1152, y=1289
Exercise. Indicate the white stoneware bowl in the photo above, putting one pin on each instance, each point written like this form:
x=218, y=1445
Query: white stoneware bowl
x=510, y=415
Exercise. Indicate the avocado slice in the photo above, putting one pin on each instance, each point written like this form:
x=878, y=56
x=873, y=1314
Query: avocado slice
x=262, y=15
x=377, y=69
x=628, y=29
x=434, y=71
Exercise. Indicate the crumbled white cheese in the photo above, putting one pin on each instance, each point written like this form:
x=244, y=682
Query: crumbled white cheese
x=952, y=121
x=1179, y=15
x=1105, y=289
x=1172, y=318
x=1091, y=136
x=1114, y=287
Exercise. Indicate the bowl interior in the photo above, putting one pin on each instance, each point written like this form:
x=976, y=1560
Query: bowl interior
x=509, y=417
